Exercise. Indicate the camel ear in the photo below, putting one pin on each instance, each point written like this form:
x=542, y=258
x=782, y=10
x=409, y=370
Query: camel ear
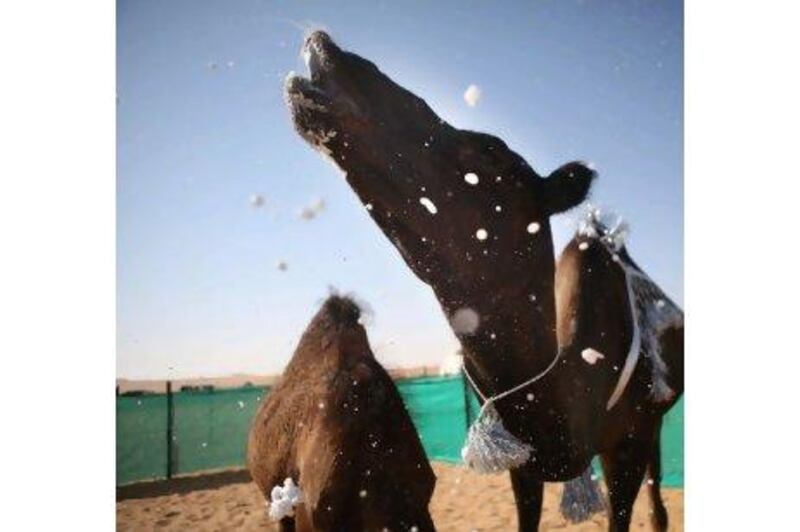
x=567, y=187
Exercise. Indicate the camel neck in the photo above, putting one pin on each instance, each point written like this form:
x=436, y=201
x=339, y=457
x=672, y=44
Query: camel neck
x=514, y=342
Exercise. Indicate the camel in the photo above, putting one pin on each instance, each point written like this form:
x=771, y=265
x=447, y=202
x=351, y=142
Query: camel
x=336, y=426
x=470, y=218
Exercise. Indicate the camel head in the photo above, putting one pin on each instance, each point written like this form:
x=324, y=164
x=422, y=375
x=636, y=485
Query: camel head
x=468, y=215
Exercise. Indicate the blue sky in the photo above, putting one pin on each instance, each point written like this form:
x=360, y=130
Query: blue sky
x=199, y=291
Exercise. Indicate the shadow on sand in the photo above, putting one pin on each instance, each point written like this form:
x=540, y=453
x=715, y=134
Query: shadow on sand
x=184, y=484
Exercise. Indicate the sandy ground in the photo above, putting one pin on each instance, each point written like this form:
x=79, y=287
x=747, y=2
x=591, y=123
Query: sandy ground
x=463, y=501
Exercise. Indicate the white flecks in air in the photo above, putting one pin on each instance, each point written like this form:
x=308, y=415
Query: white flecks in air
x=204, y=445
x=231, y=64
x=256, y=200
x=498, y=208
x=312, y=210
x=321, y=405
x=529, y=397
x=532, y=297
x=661, y=303
x=534, y=227
x=362, y=493
x=465, y=321
x=583, y=246
x=282, y=266
x=591, y=356
x=472, y=95
x=368, y=206
x=471, y=178
x=428, y=204
x=241, y=404
x=481, y=234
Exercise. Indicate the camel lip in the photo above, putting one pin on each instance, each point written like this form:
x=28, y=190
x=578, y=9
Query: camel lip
x=308, y=96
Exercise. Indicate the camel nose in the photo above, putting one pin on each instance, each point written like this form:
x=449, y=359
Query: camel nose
x=319, y=40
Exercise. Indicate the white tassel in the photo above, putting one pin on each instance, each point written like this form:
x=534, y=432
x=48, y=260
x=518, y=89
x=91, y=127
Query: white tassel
x=490, y=448
x=284, y=499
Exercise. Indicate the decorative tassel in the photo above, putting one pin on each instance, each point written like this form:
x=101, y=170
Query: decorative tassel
x=284, y=499
x=581, y=498
x=490, y=448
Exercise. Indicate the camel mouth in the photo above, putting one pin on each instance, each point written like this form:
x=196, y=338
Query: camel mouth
x=317, y=103
x=346, y=97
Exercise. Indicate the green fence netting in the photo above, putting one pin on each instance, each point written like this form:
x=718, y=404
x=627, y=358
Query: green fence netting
x=141, y=437
x=211, y=427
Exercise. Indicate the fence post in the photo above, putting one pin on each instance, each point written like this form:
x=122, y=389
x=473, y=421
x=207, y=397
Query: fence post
x=170, y=428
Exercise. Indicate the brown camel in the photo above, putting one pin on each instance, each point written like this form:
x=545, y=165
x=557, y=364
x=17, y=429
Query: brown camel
x=337, y=427
x=471, y=219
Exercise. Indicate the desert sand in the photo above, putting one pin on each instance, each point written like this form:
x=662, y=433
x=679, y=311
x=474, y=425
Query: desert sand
x=463, y=501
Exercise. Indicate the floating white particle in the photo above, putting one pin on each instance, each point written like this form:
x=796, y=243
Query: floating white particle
x=534, y=227
x=465, y=321
x=256, y=200
x=428, y=204
x=471, y=178
x=472, y=95
x=241, y=404
x=282, y=266
x=650, y=482
x=532, y=297
x=313, y=209
x=481, y=234
x=413, y=529
x=498, y=208
x=529, y=397
x=204, y=445
x=368, y=206
x=362, y=493
x=661, y=303
x=231, y=64
x=583, y=246
x=493, y=336
x=591, y=356
x=498, y=179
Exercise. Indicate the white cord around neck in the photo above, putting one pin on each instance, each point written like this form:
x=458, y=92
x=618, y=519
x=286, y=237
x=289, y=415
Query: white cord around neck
x=489, y=400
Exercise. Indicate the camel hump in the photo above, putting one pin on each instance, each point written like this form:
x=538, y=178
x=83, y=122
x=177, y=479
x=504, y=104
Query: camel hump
x=340, y=310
